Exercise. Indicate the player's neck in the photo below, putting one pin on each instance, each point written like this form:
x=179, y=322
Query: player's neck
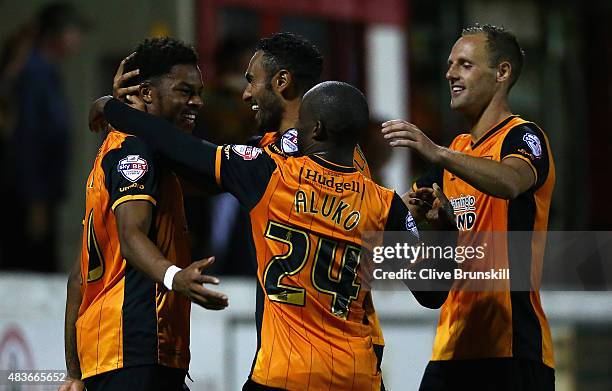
x=290, y=117
x=495, y=112
x=336, y=155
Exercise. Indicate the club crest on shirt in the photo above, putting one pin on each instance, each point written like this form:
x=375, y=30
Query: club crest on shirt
x=133, y=167
x=289, y=143
x=246, y=152
x=533, y=142
x=411, y=225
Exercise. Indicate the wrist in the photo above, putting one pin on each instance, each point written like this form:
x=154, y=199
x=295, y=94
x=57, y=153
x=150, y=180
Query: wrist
x=74, y=373
x=169, y=276
x=439, y=155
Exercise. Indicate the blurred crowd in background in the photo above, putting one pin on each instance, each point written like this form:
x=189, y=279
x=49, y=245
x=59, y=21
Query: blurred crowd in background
x=46, y=150
x=35, y=125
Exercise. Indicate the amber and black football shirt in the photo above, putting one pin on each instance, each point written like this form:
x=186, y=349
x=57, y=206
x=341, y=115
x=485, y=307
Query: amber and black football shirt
x=286, y=145
x=476, y=323
x=125, y=319
x=307, y=218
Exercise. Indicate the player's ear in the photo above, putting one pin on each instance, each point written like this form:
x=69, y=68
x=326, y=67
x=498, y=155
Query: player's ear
x=318, y=132
x=504, y=70
x=146, y=92
x=282, y=80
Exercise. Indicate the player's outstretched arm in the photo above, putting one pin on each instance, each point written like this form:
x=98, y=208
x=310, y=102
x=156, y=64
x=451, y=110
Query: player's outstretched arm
x=73, y=302
x=433, y=293
x=185, y=149
x=133, y=224
x=506, y=179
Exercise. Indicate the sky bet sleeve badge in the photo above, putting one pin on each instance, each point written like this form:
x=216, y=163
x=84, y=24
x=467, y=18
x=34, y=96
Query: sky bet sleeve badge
x=246, y=152
x=133, y=167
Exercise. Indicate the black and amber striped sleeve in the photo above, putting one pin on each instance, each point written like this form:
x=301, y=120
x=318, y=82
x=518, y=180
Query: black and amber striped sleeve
x=244, y=171
x=399, y=217
x=528, y=143
x=163, y=137
x=130, y=173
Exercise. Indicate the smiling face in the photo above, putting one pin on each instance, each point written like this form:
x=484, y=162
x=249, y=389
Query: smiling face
x=266, y=104
x=471, y=79
x=178, y=96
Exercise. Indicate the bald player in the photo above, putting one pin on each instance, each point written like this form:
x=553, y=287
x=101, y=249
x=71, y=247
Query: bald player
x=312, y=330
x=283, y=67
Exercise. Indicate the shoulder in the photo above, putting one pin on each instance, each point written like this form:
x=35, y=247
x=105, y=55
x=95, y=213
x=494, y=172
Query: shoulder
x=267, y=139
x=254, y=141
x=130, y=142
x=460, y=140
x=528, y=127
x=527, y=133
x=121, y=147
x=385, y=195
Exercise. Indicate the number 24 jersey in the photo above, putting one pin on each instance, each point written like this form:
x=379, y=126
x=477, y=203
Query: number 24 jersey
x=307, y=219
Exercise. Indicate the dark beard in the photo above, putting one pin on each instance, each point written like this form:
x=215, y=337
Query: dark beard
x=270, y=113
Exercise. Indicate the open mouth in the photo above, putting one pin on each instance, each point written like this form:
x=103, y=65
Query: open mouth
x=456, y=90
x=255, y=107
x=189, y=118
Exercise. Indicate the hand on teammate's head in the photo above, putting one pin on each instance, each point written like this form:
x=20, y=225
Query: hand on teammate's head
x=119, y=91
x=136, y=102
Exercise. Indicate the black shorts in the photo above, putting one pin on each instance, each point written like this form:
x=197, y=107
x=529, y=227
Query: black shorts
x=141, y=378
x=495, y=374
x=250, y=385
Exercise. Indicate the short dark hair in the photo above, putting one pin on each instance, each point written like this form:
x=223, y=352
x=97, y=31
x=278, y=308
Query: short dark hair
x=341, y=108
x=156, y=57
x=294, y=53
x=502, y=45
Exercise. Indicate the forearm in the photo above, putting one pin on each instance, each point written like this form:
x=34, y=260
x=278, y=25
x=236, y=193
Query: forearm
x=186, y=149
x=194, y=183
x=141, y=253
x=73, y=302
x=432, y=292
x=490, y=177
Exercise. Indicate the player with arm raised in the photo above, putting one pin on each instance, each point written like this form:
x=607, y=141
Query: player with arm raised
x=499, y=177
x=283, y=67
x=308, y=215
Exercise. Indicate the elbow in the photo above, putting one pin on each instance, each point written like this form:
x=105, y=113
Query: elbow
x=508, y=191
x=126, y=238
x=509, y=185
x=513, y=192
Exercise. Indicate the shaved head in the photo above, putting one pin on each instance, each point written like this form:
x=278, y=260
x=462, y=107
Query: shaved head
x=341, y=109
